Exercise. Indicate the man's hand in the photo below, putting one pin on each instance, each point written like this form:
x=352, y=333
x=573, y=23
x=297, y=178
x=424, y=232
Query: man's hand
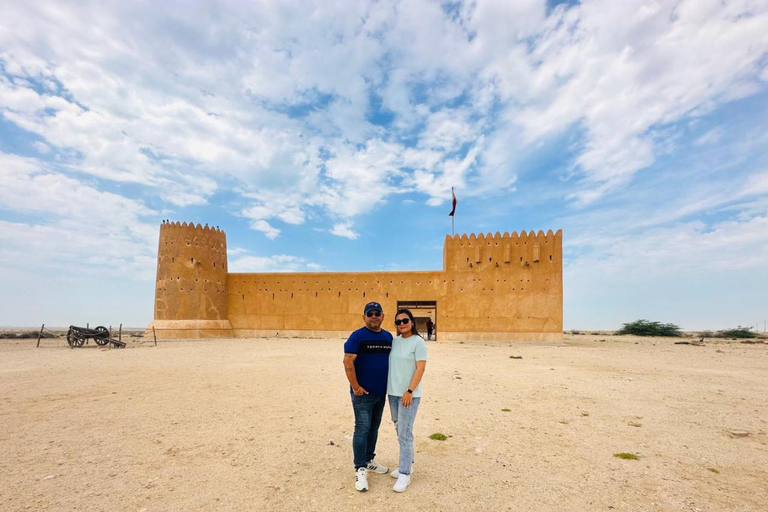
x=360, y=391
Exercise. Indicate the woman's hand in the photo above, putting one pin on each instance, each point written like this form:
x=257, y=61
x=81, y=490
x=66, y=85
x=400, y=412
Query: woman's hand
x=407, y=399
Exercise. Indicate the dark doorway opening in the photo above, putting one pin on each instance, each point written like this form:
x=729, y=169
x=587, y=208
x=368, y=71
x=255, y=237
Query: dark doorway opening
x=423, y=310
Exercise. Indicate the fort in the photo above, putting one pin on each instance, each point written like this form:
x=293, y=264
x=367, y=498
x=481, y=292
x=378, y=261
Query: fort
x=500, y=287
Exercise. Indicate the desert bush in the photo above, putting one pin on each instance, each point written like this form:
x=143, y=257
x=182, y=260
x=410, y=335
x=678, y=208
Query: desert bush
x=648, y=328
x=739, y=332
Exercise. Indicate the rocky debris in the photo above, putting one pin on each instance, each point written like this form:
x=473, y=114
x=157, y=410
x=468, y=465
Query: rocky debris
x=738, y=432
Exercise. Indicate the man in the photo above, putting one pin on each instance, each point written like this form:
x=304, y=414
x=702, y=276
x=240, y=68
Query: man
x=366, y=363
x=430, y=326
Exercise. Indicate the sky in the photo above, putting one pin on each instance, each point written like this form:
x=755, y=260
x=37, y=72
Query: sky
x=326, y=136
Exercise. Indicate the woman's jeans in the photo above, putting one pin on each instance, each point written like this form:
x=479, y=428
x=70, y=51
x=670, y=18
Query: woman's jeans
x=404, y=417
x=368, y=411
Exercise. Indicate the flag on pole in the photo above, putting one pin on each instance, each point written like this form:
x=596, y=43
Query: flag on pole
x=453, y=210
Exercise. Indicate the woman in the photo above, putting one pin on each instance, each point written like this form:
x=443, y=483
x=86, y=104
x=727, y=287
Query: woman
x=407, y=362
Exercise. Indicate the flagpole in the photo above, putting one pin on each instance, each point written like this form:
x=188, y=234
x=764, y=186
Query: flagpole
x=453, y=215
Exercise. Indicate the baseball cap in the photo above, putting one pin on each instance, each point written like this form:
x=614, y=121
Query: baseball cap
x=371, y=306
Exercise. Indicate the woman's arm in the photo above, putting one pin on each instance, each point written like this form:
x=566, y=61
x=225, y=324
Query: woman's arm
x=415, y=380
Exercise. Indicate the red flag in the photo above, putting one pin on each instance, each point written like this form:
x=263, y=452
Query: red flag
x=453, y=210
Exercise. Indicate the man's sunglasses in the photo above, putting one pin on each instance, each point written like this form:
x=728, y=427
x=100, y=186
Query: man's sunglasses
x=373, y=313
x=404, y=321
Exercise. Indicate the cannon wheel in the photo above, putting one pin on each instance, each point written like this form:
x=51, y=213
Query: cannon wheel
x=102, y=336
x=71, y=337
x=77, y=341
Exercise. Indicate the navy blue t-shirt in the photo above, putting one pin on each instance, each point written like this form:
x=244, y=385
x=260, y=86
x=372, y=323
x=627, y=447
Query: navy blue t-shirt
x=372, y=361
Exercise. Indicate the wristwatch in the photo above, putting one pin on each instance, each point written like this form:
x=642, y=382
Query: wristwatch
x=409, y=390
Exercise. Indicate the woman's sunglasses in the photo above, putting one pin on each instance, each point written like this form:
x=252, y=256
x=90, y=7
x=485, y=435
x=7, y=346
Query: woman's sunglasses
x=404, y=321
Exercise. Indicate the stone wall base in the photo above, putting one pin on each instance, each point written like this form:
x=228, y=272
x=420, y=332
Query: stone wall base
x=196, y=329
x=186, y=329
x=448, y=337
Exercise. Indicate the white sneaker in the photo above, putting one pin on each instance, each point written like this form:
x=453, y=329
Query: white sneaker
x=402, y=483
x=377, y=468
x=396, y=472
x=361, y=479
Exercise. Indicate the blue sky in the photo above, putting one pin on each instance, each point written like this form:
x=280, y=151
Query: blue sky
x=327, y=136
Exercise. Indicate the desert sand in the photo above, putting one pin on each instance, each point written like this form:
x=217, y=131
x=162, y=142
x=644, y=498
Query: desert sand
x=266, y=424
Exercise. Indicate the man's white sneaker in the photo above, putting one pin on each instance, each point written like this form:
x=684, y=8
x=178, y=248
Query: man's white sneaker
x=361, y=479
x=377, y=468
x=396, y=472
x=402, y=483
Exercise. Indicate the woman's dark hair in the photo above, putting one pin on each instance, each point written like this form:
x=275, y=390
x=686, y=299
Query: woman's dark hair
x=413, y=320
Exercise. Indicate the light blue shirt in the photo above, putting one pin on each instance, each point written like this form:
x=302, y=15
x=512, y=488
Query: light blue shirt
x=402, y=364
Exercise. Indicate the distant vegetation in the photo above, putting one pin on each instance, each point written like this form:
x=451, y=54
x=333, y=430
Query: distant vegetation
x=739, y=332
x=648, y=328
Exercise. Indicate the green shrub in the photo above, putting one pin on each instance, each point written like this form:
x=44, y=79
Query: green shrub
x=739, y=332
x=648, y=328
x=437, y=436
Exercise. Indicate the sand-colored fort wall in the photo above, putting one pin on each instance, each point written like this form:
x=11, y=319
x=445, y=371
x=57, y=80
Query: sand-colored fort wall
x=492, y=287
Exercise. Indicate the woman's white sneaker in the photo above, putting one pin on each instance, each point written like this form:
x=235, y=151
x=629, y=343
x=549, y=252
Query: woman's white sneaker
x=361, y=479
x=402, y=483
x=396, y=472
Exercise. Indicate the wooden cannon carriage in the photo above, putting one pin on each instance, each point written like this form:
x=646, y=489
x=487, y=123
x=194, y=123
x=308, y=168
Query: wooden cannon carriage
x=78, y=336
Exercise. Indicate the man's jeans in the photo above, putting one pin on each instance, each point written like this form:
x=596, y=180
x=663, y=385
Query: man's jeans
x=368, y=411
x=404, y=417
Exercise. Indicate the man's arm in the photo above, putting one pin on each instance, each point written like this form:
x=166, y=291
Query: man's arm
x=349, y=369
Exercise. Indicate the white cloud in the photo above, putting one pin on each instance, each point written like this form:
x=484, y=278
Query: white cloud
x=80, y=229
x=277, y=263
x=679, y=248
x=265, y=227
x=757, y=184
x=185, y=116
x=345, y=231
x=621, y=68
x=712, y=136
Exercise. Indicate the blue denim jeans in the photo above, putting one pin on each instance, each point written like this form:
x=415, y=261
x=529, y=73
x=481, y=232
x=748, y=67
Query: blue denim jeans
x=403, y=418
x=368, y=411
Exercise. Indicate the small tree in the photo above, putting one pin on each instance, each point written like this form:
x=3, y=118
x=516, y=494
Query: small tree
x=648, y=328
x=739, y=332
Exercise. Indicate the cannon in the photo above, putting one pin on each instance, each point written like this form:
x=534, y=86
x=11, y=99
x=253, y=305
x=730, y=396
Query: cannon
x=78, y=336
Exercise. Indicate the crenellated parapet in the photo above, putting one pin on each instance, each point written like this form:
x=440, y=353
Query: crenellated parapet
x=497, y=252
x=191, y=227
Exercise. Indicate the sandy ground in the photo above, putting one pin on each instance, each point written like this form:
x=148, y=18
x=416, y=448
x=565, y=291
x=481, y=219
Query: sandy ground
x=267, y=424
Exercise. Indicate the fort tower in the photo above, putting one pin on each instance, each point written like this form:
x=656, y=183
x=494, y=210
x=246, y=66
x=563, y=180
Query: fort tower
x=191, y=284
